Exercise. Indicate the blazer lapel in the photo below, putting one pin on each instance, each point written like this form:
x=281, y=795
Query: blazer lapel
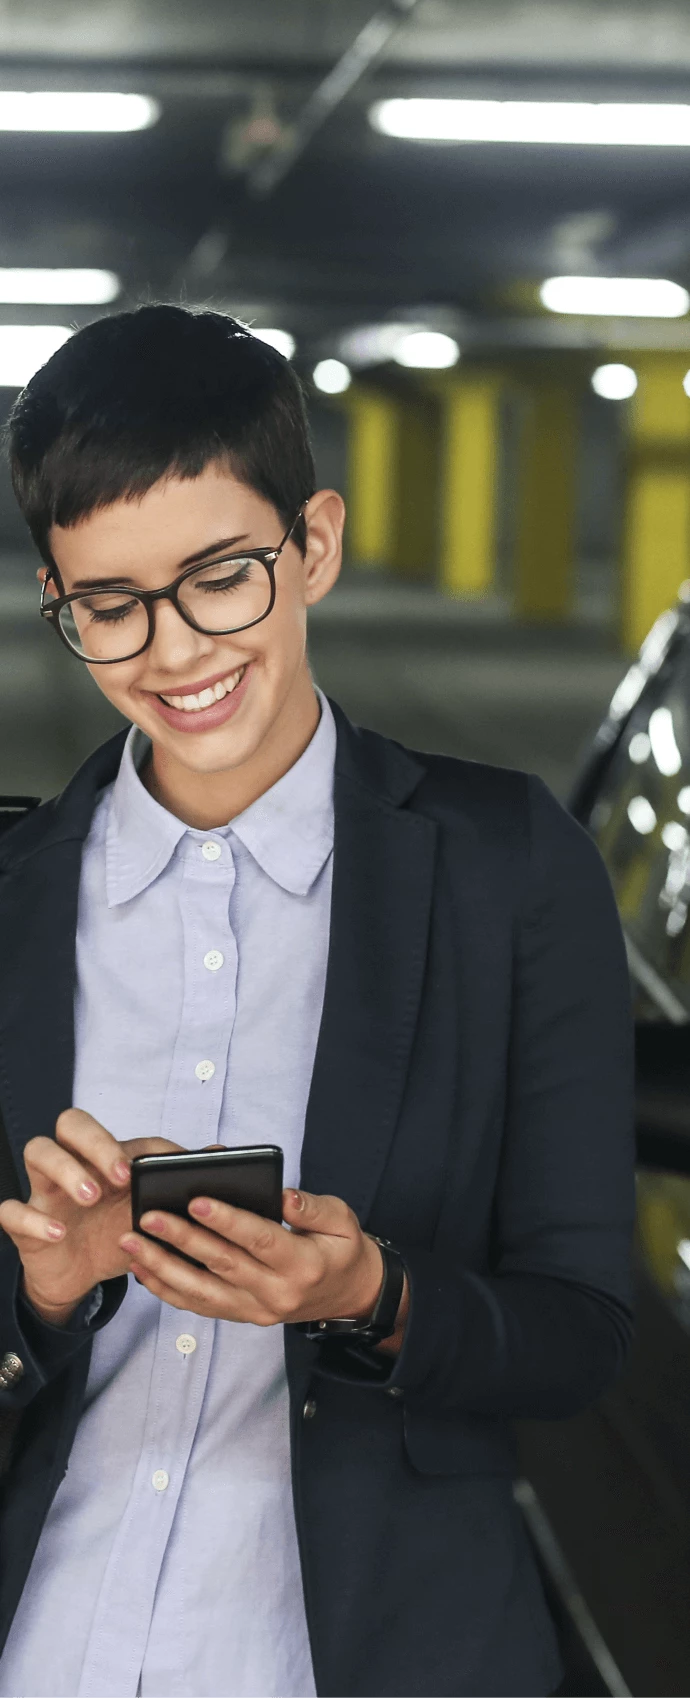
x=383, y=870
x=40, y=865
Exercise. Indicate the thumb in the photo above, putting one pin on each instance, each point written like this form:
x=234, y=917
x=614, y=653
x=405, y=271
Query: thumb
x=306, y=1213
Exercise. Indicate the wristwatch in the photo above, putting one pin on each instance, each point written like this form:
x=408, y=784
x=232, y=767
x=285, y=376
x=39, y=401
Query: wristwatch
x=381, y=1322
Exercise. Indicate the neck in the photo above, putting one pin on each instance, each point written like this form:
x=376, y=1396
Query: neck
x=206, y=800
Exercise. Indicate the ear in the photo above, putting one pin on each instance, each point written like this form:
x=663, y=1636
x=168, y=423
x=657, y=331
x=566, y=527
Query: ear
x=325, y=518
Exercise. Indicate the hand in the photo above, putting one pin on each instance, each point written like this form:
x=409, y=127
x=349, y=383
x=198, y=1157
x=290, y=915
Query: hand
x=68, y=1234
x=256, y=1271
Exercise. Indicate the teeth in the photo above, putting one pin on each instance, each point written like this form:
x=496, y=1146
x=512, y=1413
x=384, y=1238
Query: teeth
x=205, y=698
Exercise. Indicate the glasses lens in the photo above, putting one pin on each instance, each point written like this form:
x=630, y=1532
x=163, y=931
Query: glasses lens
x=228, y=594
x=105, y=625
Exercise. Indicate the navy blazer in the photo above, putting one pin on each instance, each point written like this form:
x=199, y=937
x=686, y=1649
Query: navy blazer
x=472, y=1100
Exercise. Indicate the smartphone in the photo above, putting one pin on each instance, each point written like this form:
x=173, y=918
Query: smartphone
x=249, y=1178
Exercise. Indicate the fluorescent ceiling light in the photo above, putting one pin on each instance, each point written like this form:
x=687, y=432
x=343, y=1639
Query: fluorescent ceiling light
x=333, y=377
x=52, y=287
x=664, y=746
x=281, y=340
x=615, y=297
x=25, y=347
x=56, y=110
x=641, y=815
x=372, y=344
x=614, y=382
x=573, y=122
x=427, y=349
x=674, y=836
x=684, y=799
x=639, y=748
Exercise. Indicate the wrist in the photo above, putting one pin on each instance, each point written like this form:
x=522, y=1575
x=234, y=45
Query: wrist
x=55, y=1314
x=370, y=1282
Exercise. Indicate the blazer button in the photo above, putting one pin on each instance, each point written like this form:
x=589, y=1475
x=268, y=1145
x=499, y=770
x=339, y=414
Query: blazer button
x=394, y=1391
x=11, y=1369
x=309, y=1409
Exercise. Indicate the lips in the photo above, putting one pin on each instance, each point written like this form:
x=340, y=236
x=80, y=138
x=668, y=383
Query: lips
x=199, y=715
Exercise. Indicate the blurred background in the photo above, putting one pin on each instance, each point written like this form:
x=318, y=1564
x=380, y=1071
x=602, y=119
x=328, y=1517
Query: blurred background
x=417, y=200
x=468, y=224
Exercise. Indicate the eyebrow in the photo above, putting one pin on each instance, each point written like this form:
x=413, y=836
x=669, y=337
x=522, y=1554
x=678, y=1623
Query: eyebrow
x=208, y=553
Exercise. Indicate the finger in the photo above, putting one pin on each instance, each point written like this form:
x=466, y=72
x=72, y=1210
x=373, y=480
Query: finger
x=78, y=1131
x=264, y=1240
x=192, y=1286
x=225, y=1304
x=306, y=1213
x=26, y=1225
x=49, y=1167
x=226, y=1260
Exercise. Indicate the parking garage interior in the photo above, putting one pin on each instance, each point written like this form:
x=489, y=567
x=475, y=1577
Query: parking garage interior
x=468, y=225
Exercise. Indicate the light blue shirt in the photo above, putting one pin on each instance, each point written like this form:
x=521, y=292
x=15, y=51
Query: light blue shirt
x=168, y=1563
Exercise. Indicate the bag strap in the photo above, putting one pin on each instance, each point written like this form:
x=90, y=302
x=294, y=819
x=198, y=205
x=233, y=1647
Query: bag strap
x=12, y=809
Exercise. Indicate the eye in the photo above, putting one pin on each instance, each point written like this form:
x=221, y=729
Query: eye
x=105, y=609
x=226, y=575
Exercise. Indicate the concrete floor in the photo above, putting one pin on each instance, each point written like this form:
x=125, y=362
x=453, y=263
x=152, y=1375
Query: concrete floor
x=447, y=676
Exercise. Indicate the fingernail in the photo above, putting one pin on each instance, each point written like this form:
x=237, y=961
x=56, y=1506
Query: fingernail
x=121, y=1172
x=152, y=1223
x=88, y=1190
x=55, y=1230
x=200, y=1206
x=297, y=1200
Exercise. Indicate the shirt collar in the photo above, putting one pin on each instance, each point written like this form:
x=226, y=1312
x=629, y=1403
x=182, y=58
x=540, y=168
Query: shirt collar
x=288, y=830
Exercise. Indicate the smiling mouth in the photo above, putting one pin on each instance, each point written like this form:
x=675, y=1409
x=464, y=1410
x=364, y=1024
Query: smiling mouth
x=191, y=703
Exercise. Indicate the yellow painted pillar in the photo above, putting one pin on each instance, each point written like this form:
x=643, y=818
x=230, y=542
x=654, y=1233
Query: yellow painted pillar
x=392, y=480
x=545, y=527
x=415, y=537
x=468, y=485
x=372, y=475
x=656, y=529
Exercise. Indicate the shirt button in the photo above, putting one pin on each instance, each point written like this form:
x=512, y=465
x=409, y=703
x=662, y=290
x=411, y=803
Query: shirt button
x=213, y=959
x=210, y=850
x=205, y=1070
x=186, y=1343
x=309, y=1409
x=160, y=1480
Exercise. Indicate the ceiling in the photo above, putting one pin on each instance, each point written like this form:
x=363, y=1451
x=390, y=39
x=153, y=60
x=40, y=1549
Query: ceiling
x=361, y=226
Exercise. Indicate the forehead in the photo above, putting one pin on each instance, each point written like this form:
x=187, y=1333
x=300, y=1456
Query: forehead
x=148, y=538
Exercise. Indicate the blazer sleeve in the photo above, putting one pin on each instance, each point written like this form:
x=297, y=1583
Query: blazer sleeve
x=43, y=1350
x=546, y=1328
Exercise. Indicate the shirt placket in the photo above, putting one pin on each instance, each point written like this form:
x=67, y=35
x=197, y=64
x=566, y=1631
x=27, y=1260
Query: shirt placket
x=184, y=1341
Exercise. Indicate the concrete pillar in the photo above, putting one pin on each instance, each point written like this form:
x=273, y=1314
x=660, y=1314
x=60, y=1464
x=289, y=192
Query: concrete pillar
x=372, y=475
x=392, y=480
x=415, y=541
x=545, y=520
x=656, y=529
x=468, y=484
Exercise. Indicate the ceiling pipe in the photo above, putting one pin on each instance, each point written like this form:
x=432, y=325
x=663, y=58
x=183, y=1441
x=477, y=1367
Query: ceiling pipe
x=265, y=176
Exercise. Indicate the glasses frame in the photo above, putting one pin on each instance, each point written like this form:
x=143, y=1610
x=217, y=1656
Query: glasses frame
x=266, y=556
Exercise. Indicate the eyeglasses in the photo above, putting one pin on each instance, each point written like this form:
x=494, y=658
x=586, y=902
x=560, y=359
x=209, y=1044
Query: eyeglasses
x=114, y=622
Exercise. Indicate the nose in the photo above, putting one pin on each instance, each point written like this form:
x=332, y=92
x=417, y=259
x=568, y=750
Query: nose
x=175, y=643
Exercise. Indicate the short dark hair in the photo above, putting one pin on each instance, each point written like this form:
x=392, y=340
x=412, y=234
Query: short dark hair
x=161, y=391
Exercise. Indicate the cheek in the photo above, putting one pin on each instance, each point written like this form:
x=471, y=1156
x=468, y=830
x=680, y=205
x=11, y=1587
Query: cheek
x=114, y=681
